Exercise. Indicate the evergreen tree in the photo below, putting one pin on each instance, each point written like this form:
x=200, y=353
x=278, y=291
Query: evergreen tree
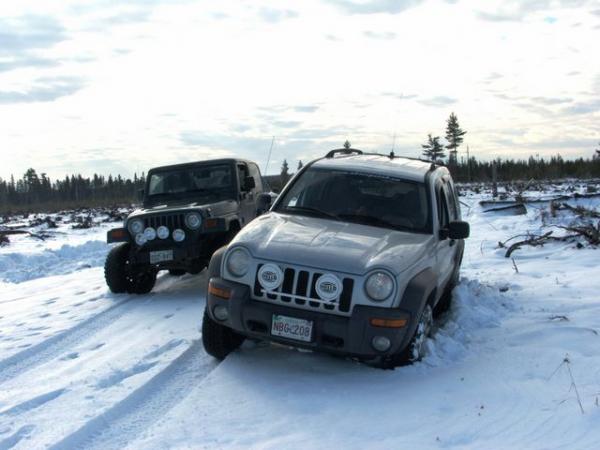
x=300, y=165
x=597, y=154
x=454, y=136
x=433, y=150
x=285, y=173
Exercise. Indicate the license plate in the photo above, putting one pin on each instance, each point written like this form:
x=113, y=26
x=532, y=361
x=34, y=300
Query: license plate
x=292, y=328
x=160, y=256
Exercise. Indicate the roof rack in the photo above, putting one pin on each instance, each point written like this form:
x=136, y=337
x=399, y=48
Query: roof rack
x=391, y=155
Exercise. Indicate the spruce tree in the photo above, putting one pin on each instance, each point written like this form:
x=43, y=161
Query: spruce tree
x=454, y=136
x=285, y=174
x=433, y=150
x=300, y=165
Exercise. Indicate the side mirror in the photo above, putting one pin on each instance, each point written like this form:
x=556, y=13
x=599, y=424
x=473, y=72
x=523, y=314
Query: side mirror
x=140, y=194
x=264, y=202
x=249, y=184
x=458, y=230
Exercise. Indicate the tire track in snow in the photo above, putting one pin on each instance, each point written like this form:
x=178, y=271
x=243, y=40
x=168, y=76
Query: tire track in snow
x=123, y=422
x=61, y=343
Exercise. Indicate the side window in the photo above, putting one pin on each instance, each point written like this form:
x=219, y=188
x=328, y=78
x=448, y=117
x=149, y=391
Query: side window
x=242, y=174
x=442, y=206
x=255, y=173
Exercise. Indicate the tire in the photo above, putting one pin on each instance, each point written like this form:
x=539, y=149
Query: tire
x=141, y=282
x=120, y=275
x=116, y=267
x=177, y=272
x=219, y=341
x=414, y=350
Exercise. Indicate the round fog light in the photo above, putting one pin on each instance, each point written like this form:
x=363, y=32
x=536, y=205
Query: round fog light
x=381, y=343
x=162, y=232
x=220, y=312
x=140, y=239
x=178, y=235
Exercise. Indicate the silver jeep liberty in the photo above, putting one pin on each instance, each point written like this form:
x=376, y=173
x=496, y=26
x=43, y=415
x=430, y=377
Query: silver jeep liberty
x=356, y=257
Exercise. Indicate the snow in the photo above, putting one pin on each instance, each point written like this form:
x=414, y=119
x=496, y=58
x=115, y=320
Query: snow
x=507, y=367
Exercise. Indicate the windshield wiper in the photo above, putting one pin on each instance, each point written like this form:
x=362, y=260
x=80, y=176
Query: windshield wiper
x=372, y=220
x=310, y=210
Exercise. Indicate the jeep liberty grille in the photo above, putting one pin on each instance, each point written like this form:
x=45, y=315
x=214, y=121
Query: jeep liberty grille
x=299, y=290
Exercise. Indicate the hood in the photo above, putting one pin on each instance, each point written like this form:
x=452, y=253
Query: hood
x=212, y=209
x=331, y=245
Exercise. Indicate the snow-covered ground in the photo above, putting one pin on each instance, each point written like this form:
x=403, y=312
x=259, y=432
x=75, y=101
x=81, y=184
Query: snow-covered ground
x=514, y=364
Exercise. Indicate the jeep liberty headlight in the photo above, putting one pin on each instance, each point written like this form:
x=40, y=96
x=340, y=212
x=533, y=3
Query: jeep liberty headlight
x=238, y=262
x=193, y=220
x=135, y=226
x=379, y=286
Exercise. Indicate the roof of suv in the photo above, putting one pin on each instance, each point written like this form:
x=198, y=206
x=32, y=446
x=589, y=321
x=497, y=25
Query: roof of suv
x=197, y=163
x=407, y=168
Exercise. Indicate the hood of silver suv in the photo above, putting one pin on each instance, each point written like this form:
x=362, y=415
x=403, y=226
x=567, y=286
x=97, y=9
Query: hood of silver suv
x=331, y=245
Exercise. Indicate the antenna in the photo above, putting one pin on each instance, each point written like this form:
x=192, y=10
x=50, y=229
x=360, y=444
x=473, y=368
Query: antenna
x=269, y=157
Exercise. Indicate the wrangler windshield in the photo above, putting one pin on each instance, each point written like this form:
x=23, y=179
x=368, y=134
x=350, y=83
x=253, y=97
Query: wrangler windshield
x=359, y=197
x=209, y=180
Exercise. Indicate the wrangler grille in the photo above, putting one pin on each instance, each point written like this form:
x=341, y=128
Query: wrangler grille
x=171, y=221
x=299, y=290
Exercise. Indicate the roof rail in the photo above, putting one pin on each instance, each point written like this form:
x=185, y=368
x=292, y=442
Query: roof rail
x=343, y=151
x=391, y=155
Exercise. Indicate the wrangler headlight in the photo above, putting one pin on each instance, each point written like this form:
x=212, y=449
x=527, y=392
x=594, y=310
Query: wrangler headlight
x=135, y=226
x=379, y=286
x=193, y=220
x=238, y=262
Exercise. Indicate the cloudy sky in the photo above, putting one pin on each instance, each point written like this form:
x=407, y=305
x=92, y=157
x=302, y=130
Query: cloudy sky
x=117, y=86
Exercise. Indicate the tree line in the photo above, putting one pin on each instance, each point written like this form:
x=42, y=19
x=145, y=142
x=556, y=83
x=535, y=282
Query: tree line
x=35, y=192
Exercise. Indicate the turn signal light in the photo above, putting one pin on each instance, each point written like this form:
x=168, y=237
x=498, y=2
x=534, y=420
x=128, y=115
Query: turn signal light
x=219, y=292
x=389, y=323
x=211, y=223
x=118, y=233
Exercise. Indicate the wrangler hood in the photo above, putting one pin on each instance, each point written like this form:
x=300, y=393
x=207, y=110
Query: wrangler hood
x=331, y=245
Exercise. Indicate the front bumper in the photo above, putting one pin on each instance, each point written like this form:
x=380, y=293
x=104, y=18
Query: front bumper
x=331, y=333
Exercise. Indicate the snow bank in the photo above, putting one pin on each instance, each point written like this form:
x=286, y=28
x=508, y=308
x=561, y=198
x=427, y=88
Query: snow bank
x=19, y=267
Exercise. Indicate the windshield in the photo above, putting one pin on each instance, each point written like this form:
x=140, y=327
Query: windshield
x=208, y=180
x=358, y=197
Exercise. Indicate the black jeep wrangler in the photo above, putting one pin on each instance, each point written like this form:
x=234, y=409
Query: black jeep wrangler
x=189, y=211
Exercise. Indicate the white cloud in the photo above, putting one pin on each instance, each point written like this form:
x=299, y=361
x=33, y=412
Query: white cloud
x=153, y=83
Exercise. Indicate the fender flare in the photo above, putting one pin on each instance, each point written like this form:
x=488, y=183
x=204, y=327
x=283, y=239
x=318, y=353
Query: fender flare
x=214, y=266
x=420, y=291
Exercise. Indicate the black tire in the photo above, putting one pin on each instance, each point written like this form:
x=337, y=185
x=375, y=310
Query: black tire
x=177, y=272
x=414, y=350
x=116, y=268
x=122, y=277
x=141, y=282
x=219, y=341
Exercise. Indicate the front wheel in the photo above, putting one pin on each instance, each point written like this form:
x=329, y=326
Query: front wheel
x=121, y=276
x=116, y=268
x=219, y=340
x=415, y=348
